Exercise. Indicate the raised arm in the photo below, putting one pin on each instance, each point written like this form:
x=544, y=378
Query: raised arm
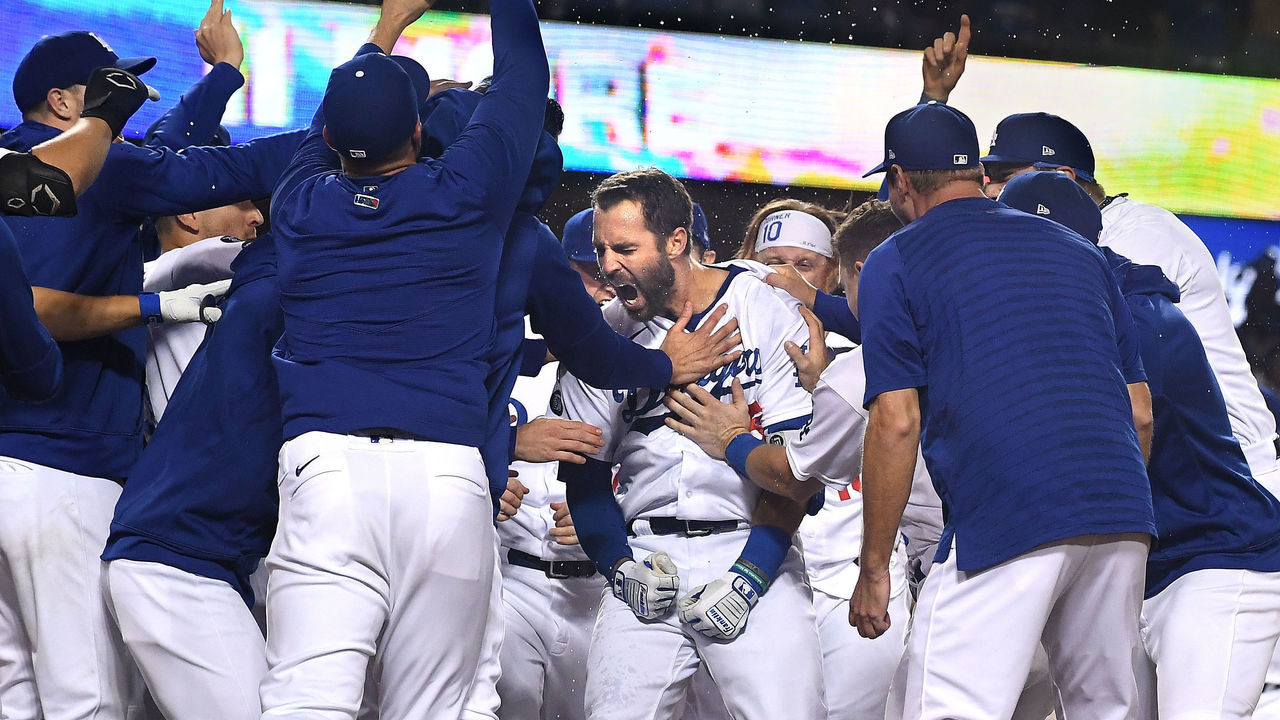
x=944, y=63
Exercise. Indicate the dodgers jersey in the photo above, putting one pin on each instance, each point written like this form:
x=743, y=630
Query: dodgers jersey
x=1149, y=235
x=829, y=450
x=30, y=361
x=530, y=529
x=172, y=346
x=662, y=473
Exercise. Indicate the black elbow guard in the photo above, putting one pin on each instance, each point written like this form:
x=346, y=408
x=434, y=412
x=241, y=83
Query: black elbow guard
x=31, y=187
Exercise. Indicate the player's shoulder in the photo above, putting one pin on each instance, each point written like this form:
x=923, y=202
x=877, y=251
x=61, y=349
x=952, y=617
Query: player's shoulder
x=1125, y=221
x=747, y=285
x=845, y=377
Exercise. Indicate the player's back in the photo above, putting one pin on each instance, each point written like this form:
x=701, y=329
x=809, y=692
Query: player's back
x=1027, y=423
x=387, y=288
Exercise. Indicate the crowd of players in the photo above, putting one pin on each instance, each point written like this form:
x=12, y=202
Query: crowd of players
x=939, y=456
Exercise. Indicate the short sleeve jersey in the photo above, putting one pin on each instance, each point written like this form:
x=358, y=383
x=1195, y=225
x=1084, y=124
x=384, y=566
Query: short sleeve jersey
x=1016, y=335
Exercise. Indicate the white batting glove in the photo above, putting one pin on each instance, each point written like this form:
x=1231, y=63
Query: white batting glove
x=719, y=609
x=193, y=303
x=650, y=587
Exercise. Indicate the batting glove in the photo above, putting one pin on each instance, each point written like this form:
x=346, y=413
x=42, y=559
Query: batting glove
x=194, y=303
x=114, y=95
x=649, y=588
x=719, y=609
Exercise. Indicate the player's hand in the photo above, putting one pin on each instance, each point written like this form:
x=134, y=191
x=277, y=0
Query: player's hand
x=694, y=354
x=193, y=303
x=869, y=606
x=217, y=38
x=708, y=422
x=564, y=532
x=509, y=503
x=438, y=86
x=649, y=588
x=113, y=96
x=944, y=62
x=719, y=609
x=809, y=365
x=550, y=440
x=395, y=17
x=790, y=281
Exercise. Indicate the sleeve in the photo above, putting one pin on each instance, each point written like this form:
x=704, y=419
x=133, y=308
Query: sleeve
x=30, y=361
x=891, y=352
x=829, y=448
x=573, y=400
x=578, y=335
x=492, y=156
x=195, y=118
x=833, y=311
x=206, y=261
x=149, y=182
x=1127, y=339
x=533, y=355
x=602, y=529
x=784, y=403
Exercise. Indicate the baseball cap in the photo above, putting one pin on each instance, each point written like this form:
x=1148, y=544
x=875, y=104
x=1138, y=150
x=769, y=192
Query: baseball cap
x=417, y=74
x=1057, y=197
x=577, y=237
x=701, y=231
x=1043, y=140
x=931, y=136
x=63, y=60
x=370, y=107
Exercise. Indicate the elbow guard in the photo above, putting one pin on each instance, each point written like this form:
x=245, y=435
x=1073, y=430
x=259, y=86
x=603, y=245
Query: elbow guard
x=30, y=187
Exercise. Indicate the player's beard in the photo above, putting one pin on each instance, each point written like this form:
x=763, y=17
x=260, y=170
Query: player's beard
x=645, y=295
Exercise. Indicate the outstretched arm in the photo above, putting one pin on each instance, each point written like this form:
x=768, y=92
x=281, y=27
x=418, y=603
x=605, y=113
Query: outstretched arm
x=71, y=317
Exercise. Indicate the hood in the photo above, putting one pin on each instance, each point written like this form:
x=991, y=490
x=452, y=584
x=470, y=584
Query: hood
x=446, y=114
x=1135, y=279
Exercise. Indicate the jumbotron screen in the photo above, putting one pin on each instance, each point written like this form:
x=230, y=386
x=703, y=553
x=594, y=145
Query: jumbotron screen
x=716, y=108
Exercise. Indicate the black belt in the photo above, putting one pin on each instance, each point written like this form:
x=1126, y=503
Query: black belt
x=554, y=569
x=386, y=433
x=690, y=528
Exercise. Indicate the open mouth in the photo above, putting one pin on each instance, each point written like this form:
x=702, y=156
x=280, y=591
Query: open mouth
x=629, y=293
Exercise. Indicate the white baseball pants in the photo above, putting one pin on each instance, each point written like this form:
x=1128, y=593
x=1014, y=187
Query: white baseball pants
x=61, y=657
x=382, y=547
x=544, y=653
x=858, y=671
x=641, y=670
x=1209, y=637
x=483, y=701
x=975, y=635
x=197, y=644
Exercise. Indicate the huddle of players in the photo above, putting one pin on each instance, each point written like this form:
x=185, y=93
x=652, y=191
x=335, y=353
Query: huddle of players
x=387, y=312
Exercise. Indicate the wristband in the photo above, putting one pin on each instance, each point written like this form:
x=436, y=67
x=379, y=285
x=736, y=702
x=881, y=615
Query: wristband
x=149, y=306
x=739, y=449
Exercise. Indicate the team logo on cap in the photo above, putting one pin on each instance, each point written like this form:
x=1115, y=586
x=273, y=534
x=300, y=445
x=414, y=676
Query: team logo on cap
x=960, y=160
x=1042, y=210
x=1047, y=151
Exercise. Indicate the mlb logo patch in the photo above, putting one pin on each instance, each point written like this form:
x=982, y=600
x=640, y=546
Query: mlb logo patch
x=368, y=201
x=960, y=160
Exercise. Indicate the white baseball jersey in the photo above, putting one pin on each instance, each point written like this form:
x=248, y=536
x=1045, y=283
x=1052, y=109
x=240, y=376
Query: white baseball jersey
x=172, y=346
x=529, y=530
x=829, y=449
x=1151, y=235
x=662, y=473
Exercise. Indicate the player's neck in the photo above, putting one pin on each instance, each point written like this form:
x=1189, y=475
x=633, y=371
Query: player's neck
x=695, y=283
x=946, y=193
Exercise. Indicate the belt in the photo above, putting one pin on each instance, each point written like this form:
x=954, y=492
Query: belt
x=385, y=433
x=554, y=569
x=689, y=528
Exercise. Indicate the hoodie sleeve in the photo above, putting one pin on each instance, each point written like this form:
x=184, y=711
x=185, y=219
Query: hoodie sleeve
x=30, y=361
x=195, y=118
x=576, y=332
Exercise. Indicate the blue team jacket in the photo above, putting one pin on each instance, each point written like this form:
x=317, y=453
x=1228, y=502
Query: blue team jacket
x=387, y=283
x=1209, y=511
x=30, y=363
x=203, y=496
x=535, y=278
x=93, y=425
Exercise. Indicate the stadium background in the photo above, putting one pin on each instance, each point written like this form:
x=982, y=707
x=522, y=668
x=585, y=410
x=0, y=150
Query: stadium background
x=751, y=100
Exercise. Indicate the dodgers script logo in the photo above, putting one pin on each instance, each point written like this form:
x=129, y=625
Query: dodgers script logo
x=640, y=403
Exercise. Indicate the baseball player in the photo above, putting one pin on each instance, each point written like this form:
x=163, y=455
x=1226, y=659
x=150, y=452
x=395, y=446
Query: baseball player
x=688, y=514
x=385, y=527
x=199, y=512
x=70, y=452
x=1069, y=529
x=1211, y=614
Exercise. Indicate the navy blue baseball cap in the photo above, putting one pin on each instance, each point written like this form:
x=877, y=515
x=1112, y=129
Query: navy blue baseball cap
x=63, y=60
x=370, y=107
x=577, y=237
x=701, y=231
x=1057, y=197
x=417, y=74
x=1043, y=140
x=931, y=136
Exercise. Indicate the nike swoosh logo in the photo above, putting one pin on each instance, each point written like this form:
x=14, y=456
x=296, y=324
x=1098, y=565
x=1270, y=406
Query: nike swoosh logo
x=298, y=470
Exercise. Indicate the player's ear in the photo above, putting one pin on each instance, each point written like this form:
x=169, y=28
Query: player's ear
x=325, y=133
x=1068, y=171
x=417, y=140
x=188, y=222
x=677, y=242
